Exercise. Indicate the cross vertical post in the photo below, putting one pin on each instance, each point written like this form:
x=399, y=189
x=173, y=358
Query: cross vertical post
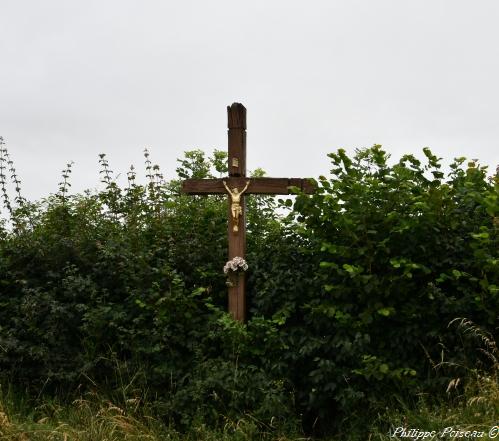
x=236, y=123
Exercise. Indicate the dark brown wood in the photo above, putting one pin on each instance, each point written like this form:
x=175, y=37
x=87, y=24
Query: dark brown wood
x=256, y=186
x=237, y=296
x=236, y=122
x=236, y=116
x=237, y=247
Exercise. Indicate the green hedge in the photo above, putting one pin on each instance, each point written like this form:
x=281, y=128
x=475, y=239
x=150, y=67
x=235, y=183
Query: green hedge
x=350, y=295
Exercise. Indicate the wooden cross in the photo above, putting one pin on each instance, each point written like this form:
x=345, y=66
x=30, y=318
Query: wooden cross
x=237, y=185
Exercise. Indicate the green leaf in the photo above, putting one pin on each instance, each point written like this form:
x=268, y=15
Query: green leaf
x=383, y=368
x=385, y=311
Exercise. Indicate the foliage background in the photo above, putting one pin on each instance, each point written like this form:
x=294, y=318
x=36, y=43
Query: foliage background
x=351, y=293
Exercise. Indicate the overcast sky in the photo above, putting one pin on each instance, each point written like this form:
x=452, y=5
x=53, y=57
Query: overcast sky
x=78, y=78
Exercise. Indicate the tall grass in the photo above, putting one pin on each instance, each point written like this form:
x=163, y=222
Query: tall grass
x=92, y=418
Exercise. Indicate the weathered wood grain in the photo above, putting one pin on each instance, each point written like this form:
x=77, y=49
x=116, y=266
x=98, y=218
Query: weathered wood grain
x=256, y=186
x=236, y=122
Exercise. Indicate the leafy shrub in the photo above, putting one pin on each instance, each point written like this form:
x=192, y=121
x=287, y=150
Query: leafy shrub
x=124, y=289
x=402, y=253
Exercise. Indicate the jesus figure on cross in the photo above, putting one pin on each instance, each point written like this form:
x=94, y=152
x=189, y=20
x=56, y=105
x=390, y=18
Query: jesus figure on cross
x=235, y=206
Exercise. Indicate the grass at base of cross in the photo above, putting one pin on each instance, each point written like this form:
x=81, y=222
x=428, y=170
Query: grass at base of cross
x=93, y=418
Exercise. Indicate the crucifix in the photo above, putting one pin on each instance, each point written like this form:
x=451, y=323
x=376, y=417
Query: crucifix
x=237, y=186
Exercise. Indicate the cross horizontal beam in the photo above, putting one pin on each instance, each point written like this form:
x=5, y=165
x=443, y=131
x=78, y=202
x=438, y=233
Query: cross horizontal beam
x=256, y=186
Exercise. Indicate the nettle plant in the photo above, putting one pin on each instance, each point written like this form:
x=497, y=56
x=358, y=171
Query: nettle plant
x=15, y=208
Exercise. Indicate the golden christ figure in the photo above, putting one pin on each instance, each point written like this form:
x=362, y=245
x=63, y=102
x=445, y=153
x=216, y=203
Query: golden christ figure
x=235, y=206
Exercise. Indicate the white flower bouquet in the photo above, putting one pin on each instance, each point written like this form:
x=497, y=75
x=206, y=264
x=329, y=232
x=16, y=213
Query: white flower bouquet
x=236, y=264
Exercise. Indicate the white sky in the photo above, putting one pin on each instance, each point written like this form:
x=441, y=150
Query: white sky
x=78, y=78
